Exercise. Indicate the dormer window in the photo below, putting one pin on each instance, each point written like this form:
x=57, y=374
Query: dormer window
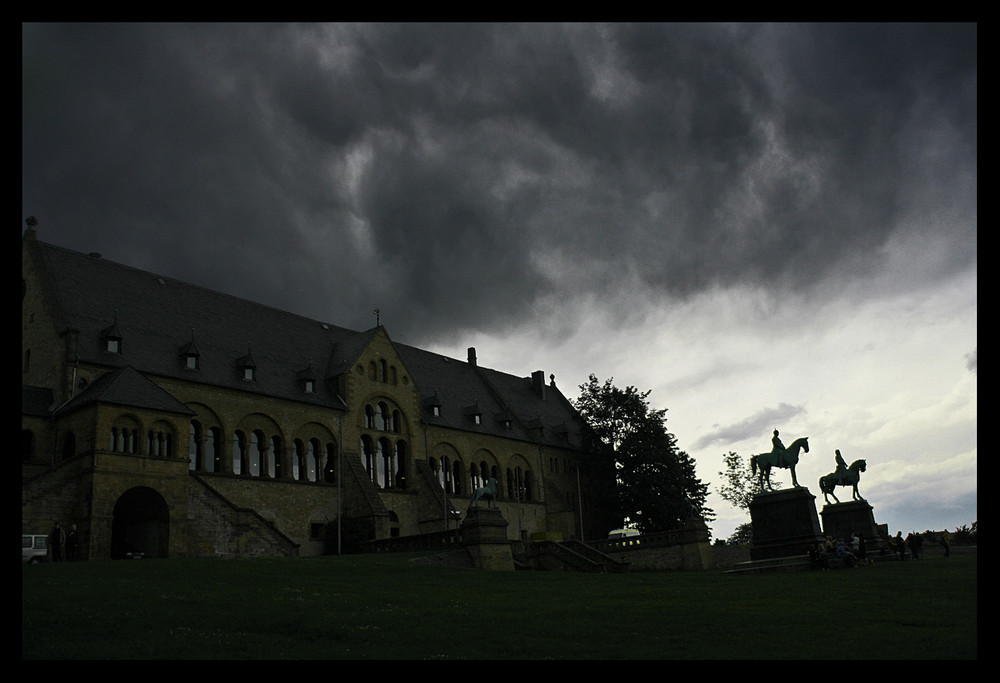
x=433, y=404
x=307, y=379
x=189, y=355
x=111, y=339
x=505, y=420
x=474, y=413
x=248, y=369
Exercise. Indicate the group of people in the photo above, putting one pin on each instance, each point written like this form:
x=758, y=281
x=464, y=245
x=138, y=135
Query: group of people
x=916, y=544
x=56, y=542
x=847, y=553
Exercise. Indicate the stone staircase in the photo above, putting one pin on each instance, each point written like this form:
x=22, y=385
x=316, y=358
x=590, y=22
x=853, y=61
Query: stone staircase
x=568, y=556
x=217, y=528
x=366, y=486
x=792, y=563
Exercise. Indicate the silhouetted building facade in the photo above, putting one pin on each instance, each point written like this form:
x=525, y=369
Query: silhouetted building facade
x=168, y=419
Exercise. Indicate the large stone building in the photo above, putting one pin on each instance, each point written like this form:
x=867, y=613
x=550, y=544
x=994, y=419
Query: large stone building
x=165, y=418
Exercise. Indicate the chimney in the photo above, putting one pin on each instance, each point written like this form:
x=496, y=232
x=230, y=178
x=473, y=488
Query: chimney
x=472, y=355
x=538, y=383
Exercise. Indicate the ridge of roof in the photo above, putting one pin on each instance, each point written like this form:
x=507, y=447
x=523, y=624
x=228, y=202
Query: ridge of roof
x=160, y=318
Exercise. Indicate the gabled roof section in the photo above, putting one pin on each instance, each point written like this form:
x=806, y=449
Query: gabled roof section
x=127, y=387
x=157, y=317
x=509, y=406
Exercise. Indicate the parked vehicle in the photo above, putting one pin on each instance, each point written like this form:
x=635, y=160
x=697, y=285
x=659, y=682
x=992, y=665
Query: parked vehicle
x=622, y=533
x=34, y=548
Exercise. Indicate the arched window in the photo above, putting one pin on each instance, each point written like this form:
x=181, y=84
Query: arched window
x=239, y=453
x=274, y=457
x=214, y=450
x=400, y=473
x=368, y=456
x=255, y=456
x=519, y=484
x=457, y=477
x=475, y=481
x=383, y=454
x=330, y=468
x=124, y=437
x=314, y=453
x=444, y=473
x=160, y=440
x=298, y=459
x=196, y=454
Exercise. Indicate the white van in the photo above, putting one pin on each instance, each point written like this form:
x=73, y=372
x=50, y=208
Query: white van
x=622, y=533
x=34, y=548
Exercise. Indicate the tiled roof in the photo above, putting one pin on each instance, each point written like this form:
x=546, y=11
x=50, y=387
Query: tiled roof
x=126, y=386
x=159, y=319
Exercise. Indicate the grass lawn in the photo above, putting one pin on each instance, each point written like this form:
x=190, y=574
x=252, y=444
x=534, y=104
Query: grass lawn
x=387, y=607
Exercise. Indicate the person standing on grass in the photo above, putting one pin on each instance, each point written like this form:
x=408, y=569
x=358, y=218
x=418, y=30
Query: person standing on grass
x=71, y=539
x=862, y=551
x=899, y=545
x=946, y=542
x=55, y=543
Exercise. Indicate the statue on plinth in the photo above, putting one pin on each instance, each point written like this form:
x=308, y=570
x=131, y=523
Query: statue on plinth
x=779, y=456
x=489, y=492
x=843, y=476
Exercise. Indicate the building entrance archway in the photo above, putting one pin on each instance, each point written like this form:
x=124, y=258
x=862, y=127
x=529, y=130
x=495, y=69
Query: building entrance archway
x=141, y=524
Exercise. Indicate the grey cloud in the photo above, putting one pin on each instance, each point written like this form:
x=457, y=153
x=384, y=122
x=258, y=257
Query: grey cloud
x=759, y=425
x=695, y=154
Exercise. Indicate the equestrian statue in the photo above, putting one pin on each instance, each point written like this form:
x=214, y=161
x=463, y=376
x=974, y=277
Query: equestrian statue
x=488, y=492
x=843, y=476
x=779, y=456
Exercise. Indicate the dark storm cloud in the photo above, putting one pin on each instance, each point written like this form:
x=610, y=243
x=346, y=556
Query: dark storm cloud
x=452, y=174
x=762, y=422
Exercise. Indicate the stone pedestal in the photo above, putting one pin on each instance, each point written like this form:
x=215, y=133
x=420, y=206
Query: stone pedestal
x=484, y=534
x=841, y=520
x=784, y=523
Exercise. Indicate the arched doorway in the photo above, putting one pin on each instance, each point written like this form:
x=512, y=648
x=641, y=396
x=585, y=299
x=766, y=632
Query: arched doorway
x=141, y=524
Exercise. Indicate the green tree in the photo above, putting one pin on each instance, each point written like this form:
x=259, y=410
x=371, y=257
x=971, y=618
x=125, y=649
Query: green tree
x=739, y=485
x=655, y=484
x=742, y=535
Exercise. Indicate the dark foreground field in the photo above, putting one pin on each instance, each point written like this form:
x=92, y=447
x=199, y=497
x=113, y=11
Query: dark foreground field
x=388, y=607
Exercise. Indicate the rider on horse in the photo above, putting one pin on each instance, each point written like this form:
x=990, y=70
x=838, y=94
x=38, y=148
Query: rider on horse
x=776, y=445
x=841, y=466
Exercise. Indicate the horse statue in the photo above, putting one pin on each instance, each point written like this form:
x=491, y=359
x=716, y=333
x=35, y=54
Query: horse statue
x=786, y=459
x=489, y=492
x=849, y=478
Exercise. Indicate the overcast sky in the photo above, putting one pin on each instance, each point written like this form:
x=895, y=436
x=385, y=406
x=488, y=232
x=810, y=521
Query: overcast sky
x=769, y=226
